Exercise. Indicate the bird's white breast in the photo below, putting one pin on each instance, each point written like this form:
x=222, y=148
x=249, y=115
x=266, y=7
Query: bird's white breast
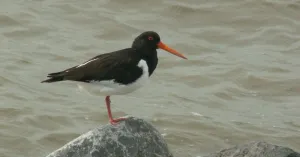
x=109, y=87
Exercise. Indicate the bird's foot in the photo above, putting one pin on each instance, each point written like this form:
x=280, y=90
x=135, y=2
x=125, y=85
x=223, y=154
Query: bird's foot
x=115, y=121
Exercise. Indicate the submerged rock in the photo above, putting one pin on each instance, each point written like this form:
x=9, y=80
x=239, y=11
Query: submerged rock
x=256, y=149
x=130, y=138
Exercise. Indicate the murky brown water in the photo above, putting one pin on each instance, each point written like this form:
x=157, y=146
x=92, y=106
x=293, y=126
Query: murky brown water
x=241, y=82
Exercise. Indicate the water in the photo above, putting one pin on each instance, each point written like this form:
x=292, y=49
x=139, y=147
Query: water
x=241, y=82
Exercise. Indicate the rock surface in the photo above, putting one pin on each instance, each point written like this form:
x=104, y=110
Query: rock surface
x=256, y=149
x=137, y=138
x=131, y=138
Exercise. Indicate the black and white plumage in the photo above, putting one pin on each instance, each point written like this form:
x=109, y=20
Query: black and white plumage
x=119, y=72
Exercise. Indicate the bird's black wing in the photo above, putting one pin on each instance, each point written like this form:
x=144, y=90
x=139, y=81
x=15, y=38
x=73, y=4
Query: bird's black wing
x=120, y=66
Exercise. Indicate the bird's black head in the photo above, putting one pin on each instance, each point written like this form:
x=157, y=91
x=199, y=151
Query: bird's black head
x=146, y=40
x=149, y=41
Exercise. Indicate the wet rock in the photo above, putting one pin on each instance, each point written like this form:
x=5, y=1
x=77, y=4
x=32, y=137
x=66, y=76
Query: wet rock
x=256, y=149
x=131, y=138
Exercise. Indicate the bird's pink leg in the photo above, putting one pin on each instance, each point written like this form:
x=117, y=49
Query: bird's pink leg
x=111, y=120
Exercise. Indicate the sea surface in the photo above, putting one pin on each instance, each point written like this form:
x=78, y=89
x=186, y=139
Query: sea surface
x=240, y=84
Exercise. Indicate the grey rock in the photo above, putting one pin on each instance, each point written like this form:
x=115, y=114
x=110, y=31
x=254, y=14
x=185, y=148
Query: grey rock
x=130, y=138
x=256, y=149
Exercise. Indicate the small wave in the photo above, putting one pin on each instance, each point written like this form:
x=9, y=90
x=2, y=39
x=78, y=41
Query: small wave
x=32, y=31
x=8, y=21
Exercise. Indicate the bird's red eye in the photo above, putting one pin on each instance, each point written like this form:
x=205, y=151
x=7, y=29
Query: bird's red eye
x=150, y=38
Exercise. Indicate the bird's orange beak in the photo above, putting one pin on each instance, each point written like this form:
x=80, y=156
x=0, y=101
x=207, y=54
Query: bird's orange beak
x=167, y=48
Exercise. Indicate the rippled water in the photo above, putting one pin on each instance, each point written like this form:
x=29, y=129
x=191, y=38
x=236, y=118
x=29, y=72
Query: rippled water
x=241, y=82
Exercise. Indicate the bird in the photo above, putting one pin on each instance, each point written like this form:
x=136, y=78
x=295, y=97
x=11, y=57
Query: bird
x=118, y=72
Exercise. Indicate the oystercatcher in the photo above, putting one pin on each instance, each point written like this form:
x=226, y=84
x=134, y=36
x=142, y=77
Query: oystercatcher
x=118, y=72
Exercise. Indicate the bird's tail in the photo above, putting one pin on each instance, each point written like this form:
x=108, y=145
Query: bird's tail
x=54, y=77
